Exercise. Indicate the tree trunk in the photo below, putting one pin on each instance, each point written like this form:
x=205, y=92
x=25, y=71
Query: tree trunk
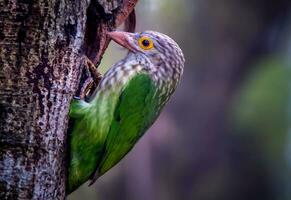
x=42, y=49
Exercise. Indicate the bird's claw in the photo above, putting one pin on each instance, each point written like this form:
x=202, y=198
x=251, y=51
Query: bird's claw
x=93, y=70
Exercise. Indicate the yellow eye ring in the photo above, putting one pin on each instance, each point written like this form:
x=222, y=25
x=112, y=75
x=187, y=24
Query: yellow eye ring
x=145, y=43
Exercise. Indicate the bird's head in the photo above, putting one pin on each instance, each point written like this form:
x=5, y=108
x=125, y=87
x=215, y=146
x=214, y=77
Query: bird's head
x=162, y=51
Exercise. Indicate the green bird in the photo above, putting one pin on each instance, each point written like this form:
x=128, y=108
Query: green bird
x=127, y=101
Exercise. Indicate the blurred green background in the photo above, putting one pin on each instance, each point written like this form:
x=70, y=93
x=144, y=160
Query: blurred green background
x=226, y=133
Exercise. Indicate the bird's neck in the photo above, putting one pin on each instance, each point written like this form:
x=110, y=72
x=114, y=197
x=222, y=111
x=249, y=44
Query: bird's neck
x=165, y=73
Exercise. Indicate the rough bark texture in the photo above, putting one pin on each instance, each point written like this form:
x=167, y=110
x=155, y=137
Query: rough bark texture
x=42, y=49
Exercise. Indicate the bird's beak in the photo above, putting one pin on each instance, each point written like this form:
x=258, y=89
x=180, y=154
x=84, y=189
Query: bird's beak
x=122, y=38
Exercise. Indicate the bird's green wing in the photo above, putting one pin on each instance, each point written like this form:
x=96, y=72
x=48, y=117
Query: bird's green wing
x=136, y=110
x=88, y=132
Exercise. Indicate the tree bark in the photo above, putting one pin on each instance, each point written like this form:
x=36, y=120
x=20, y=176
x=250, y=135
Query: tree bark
x=42, y=49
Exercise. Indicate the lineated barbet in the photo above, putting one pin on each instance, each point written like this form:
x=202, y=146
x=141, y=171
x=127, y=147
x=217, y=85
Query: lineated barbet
x=127, y=101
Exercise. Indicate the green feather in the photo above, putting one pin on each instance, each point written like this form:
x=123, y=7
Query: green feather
x=108, y=127
x=90, y=128
x=78, y=108
x=135, y=112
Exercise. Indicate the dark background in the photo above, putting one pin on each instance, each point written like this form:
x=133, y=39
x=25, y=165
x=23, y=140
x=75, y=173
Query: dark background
x=226, y=132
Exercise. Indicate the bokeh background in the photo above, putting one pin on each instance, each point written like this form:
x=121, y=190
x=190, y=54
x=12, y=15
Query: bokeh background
x=226, y=133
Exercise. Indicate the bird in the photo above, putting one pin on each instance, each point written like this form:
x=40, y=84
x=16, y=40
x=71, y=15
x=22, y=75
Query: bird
x=128, y=100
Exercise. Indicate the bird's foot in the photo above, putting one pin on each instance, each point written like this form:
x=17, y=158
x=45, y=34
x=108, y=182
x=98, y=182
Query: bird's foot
x=93, y=70
x=89, y=79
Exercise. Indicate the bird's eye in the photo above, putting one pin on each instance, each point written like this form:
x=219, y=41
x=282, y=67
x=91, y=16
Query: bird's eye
x=145, y=43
